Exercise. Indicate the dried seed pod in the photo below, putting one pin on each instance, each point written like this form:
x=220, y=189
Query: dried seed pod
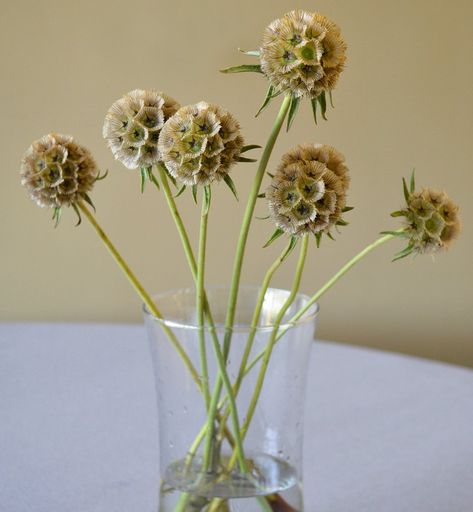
x=132, y=126
x=200, y=143
x=308, y=191
x=303, y=53
x=57, y=171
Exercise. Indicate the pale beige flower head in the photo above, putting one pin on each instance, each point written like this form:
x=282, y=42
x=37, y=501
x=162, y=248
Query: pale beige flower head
x=303, y=53
x=132, y=126
x=57, y=171
x=200, y=143
x=308, y=191
x=431, y=221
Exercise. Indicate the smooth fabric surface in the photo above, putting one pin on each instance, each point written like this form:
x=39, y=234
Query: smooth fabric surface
x=78, y=426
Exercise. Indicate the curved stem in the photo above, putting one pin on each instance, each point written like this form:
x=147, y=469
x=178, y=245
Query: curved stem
x=325, y=288
x=200, y=301
x=143, y=294
x=245, y=227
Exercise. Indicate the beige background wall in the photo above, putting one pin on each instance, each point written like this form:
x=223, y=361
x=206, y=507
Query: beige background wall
x=404, y=100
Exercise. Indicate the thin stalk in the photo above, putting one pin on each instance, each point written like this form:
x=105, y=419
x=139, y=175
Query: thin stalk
x=272, y=340
x=324, y=289
x=254, y=324
x=245, y=227
x=143, y=294
x=200, y=301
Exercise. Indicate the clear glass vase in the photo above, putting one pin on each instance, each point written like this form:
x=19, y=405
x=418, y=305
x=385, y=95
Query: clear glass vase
x=197, y=470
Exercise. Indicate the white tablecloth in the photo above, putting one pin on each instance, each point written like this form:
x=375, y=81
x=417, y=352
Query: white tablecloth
x=78, y=426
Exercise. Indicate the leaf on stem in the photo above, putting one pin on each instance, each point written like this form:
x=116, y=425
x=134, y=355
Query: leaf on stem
x=231, y=185
x=243, y=68
x=277, y=233
x=290, y=248
x=293, y=108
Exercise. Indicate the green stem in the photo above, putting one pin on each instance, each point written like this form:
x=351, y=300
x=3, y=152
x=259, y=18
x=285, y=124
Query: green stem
x=272, y=340
x=143, y=294
x=254, y=324
x=245, y=227
x=200, y=300
x=324, y=289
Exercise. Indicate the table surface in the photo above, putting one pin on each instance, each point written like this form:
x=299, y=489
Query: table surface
x=78, y=426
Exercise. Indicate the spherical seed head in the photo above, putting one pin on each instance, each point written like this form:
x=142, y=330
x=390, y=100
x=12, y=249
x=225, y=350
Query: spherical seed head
x=57, y=171
x=132, y=126
x=200, y=143
x=303, y=53
x=308, y=191
x=432, y=221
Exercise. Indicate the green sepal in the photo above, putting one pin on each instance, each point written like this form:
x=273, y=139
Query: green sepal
x=314, y=103
x=293, y=108
x=79, y=218
x=405, y=252
x=231, y=185
x=318, y=238
x=247, y=160
x=153, y=178
x=347, y=209
x=399, y=213
x=341, y=222
x=277, y=233
x=262, y=195
x=194, y=193
x=243, y=68
x=262, y=218
x=252, y=53
x=87, y=199
x=405, y=190
x=181, y=190
x=249, y=147
x=101, y=177
x=56, y=215
x=330, y=236
x=290, y=248
x=323, y=104
x=413, y=182
x=207, y=198
x=270, y=175
x=330, y=97
x=272, y=93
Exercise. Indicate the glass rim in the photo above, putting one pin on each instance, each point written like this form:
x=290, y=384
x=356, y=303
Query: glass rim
x=307, y=317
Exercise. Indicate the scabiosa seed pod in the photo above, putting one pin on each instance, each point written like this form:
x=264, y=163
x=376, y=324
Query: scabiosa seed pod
x=200, y=143
x=132, y=126
x=431, y=221
x=57, y=171
x=303, y=53
x=308, y=191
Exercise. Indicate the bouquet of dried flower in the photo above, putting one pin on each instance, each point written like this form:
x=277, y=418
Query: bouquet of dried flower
x=195, y=147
